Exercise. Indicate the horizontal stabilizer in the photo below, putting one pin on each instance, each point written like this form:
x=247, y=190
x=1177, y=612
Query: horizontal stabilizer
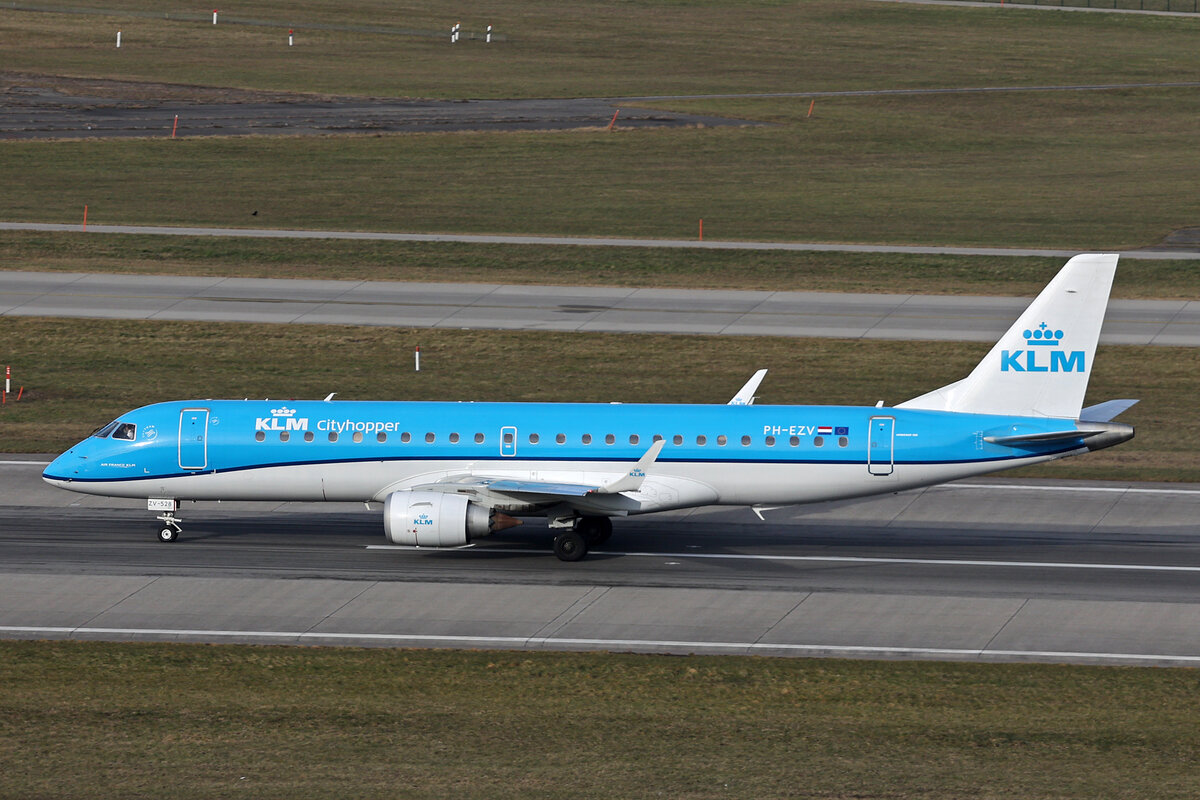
x=1106, y=412
x=1037, y=438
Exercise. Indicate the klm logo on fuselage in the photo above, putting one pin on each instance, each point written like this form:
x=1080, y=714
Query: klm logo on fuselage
x=1037, y=357
x=281, y=419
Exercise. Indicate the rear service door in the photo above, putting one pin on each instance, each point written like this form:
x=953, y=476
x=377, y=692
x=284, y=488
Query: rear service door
x=193, y=438
x=879, y=450
x=508, y=441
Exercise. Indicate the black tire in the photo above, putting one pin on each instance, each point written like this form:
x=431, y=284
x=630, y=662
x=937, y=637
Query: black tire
x=570, y=546
x=167, y=534
x=595, y=530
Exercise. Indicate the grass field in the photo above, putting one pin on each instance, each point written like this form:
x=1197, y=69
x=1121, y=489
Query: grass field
x=1086, y=170
x=108, y=720
x=596, y=48
x=79, y=374
x=1091, y=171
x=572, y=265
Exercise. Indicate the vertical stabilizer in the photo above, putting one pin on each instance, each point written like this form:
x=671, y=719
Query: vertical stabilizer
x=1041, y=366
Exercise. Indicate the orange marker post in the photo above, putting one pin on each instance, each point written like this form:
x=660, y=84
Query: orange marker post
x=702, y=230
x=613, y=121
x=810, y=108
x=175, y=126
x=85, y=216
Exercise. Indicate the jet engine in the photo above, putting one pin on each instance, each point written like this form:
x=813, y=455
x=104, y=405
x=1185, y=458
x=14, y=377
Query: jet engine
x=438, y=519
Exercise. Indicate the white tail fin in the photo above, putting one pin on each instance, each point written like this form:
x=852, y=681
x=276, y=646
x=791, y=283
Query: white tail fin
x=1041, y=366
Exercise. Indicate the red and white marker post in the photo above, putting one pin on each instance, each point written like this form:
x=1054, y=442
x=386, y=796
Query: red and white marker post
x=214, y=16
x=290, y=37
x=417, y=358
x=7, y=384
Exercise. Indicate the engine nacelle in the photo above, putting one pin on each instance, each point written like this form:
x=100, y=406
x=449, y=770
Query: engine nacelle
x=434, y=519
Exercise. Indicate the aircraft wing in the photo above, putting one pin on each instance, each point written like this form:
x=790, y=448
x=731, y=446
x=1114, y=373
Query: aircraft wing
x=630, y=481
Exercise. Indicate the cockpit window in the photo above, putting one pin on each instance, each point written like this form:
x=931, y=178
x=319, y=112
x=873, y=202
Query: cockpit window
x=106, y=430
x=125, y=430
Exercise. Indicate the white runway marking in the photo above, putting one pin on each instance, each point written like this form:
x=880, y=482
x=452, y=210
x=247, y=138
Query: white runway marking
x=1013, y=487
x=28, y=463
x=950, y=562
x=535, y=642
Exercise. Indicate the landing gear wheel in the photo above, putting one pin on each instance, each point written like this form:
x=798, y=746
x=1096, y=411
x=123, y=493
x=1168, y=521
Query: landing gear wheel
x=570, y=546
x=595, y=530
x=168, y=534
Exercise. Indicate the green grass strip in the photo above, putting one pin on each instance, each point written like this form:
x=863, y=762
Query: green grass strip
x=154, y=720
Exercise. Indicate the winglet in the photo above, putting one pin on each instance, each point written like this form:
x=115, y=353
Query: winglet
x=632, y=481
x=745, y=395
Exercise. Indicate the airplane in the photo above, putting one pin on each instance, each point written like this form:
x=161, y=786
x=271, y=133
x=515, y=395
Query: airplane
x=449, y=473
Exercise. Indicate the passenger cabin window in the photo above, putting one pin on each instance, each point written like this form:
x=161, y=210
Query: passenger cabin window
x=770, y=441
x=722, y=439
x=508, y=438
x=357, y=437
x=561, y=438
x=794, y=441
x=534, y=438
x=819, y=441
x=745, y=441
x=284, y=436
x=479, y=438
x=586, y=438
x=106, y=430
x=333, y=436
x=609, y=438
x=308, y=436
x=633, y=438
x=454, y=438
x=126, y=431
x=260, y=436
x=701, y=440
x=406, y=437
x=677, y=439
x=381, y=437
x=429, y=437
x=843, y=441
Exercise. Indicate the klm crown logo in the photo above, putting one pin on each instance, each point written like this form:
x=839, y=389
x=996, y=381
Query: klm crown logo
x=1036, y=358
x=283, y=412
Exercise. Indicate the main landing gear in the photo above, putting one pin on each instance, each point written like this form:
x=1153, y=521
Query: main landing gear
x=572, y=544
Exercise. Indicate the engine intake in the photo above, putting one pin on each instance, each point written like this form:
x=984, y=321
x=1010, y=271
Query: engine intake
x=438, y=519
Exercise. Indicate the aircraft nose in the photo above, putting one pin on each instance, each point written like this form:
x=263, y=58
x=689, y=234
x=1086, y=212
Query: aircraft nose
x=63, y=469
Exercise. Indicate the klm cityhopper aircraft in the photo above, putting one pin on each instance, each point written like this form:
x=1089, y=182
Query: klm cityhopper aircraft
x=448, y=473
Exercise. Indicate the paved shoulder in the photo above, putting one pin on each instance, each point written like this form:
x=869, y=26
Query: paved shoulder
x=563, y=308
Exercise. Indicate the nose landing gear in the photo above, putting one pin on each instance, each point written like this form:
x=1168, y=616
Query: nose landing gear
x=169, y=530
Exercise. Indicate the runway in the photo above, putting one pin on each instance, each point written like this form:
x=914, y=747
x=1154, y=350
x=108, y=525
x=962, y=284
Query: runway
x=564, y=308
x=990, y=570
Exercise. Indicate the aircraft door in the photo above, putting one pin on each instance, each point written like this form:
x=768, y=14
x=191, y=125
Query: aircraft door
x=508, y=441
x=193, y=438
x=879, y=446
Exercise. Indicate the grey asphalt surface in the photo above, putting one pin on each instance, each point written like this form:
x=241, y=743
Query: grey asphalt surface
x=561, y=308
x=1172, y=252
x=34, y=113
x=988, y=570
